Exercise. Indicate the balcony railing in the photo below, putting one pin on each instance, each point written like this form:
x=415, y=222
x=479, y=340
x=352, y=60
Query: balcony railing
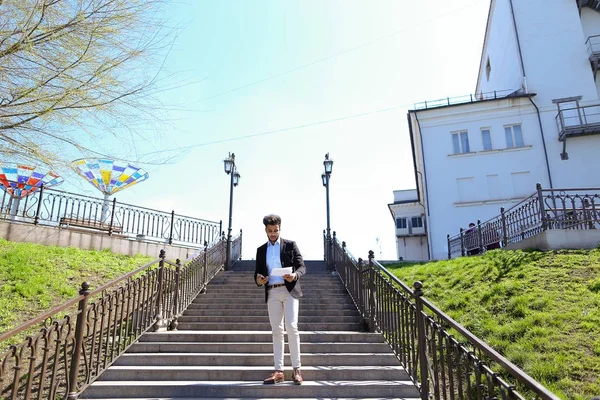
x=51, y=207
x=546, y=209
x=593, y=46
x=578, y=121
x=469, y=98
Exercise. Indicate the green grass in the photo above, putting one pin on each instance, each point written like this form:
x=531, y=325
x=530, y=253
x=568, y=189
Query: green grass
x=36, y=278
x=541, y=310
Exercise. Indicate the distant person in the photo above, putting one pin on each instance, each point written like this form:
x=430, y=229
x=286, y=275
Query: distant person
x=282, y=294
x=471, y=242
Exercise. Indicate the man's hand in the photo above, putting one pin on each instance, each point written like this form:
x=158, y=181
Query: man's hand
x=262, y=280
x=290, y=277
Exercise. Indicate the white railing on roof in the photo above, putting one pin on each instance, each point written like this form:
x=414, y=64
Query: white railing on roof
x=469, y=98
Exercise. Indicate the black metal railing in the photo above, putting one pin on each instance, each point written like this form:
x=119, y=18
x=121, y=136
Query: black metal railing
x=68, y=347
x=577, y=208
x=56, y=208
x=469, y=98
x=443, y=358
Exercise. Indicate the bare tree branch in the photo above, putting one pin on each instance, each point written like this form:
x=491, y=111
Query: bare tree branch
x=69, y=66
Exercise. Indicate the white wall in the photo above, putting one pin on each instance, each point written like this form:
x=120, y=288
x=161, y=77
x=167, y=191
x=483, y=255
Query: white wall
x=515, y=170
x=554, y=52
x=501, y=48
x=463, y=188
x=412, y=248
x=409, y=246
x=590, y=21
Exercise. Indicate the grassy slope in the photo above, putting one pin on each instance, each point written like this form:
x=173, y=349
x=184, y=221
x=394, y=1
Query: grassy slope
x=35, y=278
x=540, y=310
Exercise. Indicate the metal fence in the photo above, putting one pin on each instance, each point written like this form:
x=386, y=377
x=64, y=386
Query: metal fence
x=443, y=358
x=51, y=207
x=577, y=208
x=469, y=98
x=78, y=340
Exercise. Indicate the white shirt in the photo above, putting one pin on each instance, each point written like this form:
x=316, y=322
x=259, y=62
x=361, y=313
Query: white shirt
x=274, y=261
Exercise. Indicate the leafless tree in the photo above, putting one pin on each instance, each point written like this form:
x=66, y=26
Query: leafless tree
x=73, y=71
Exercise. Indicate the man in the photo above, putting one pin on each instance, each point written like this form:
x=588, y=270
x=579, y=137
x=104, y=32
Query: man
x=282, y=294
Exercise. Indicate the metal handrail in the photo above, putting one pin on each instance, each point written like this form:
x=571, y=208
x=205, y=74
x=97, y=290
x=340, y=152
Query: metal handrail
x=56, y=208
x=469, y=98
x=576, y=208
x=419, y=333
x=69, y=352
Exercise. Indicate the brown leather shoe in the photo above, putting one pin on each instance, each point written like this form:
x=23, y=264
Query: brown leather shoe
x=275, y=377
x=297, y=376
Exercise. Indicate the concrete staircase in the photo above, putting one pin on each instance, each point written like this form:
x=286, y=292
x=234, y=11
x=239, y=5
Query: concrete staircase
x=223, y=349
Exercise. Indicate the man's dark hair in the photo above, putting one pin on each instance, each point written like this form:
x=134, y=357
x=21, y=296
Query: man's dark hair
x=272, y=219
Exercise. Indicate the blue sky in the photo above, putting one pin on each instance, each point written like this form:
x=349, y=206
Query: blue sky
x=282, y=82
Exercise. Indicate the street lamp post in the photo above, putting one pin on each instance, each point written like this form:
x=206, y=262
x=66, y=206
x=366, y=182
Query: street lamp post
x=328, y=164
x=230, y=169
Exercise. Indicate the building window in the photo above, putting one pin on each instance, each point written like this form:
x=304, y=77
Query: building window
x=417, y=222
x=514, y=136
x=401, y=223
x=460, y=142
x=488, y=69
x=486, y=138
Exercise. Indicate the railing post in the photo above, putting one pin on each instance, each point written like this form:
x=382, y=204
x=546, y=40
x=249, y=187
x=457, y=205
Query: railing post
x=224, y=249
x=240, y=244
x=361, y=294
x=448, y=242
x=332, y=254
x=422, y=342
x=112, y=216
x=325, y=248
x=172, y=224
x=39, y=207
x=544, y=220
x=345, y=280
x=371, y=286
x=504, y=229
x=479, y=237
x=77, y=350
x=159, y=285
x=174, y=322
x=204, y=267
x=462, y=242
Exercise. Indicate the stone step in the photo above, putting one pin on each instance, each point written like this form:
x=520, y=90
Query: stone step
x=253, y=336
x=252, y=348
x=260, y=305
x=258, y=359
x=302, y=319
x=260, y=299
x=322, y=296
x=240, y=326
x=258, y=398
x=245, y=389
x=249, y=373
x=262, y=311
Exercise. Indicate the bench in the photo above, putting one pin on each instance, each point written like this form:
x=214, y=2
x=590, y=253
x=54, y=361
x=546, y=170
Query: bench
x=89, y=224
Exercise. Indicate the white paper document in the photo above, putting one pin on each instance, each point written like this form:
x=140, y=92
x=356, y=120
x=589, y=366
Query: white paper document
x=281, y=271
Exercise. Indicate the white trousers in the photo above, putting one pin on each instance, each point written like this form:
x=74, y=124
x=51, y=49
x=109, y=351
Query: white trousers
x=281, y=304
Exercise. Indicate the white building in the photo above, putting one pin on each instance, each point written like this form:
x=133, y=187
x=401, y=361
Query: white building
x=409, y=216
x=533, y=118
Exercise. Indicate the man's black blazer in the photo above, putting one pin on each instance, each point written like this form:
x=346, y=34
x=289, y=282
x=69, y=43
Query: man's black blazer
x=290, y=257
